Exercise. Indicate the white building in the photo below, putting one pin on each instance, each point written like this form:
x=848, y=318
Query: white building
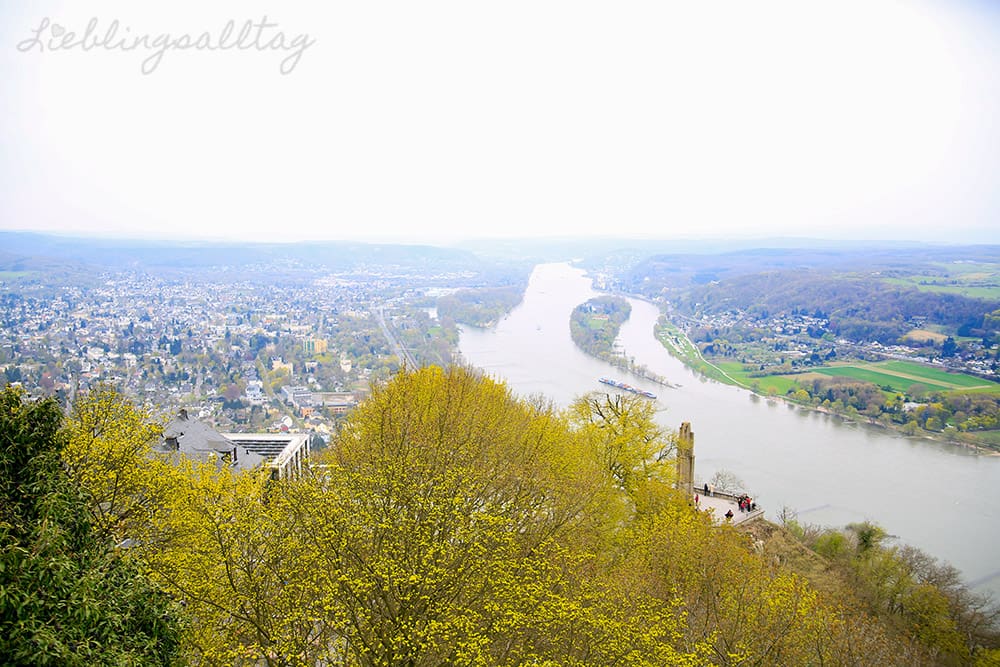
x=255, y=392
x=282, y=453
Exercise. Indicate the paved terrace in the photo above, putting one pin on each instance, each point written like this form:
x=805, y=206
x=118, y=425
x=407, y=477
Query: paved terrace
x=721, y=502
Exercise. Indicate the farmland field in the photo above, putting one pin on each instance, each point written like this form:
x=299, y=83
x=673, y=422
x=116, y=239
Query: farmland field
x=923, y=334
x=934, y=374
x=735, y=370
x=780, y=383
x=901, y=375
x=867, y=374
x=977, y=280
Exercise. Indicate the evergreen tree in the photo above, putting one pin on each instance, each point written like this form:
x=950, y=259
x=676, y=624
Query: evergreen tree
x=66, y=596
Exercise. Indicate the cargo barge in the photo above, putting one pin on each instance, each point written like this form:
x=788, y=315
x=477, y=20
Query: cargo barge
x=626, y=387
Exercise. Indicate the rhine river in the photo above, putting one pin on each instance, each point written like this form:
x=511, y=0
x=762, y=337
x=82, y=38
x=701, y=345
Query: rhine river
x=941, y=498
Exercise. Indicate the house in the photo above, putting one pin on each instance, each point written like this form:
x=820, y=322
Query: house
x=255, y=392
x=285, y=453
x=282, y=453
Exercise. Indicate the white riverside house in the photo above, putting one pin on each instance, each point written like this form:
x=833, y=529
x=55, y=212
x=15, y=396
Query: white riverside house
x=282, y=453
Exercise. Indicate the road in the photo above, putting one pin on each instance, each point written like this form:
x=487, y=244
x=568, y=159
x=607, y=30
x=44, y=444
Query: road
x=396, y=346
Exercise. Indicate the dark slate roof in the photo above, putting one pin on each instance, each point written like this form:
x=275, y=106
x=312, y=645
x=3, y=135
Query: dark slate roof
x=197, y=440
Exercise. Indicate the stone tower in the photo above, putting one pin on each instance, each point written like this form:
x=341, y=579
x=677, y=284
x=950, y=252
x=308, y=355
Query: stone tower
x=685, y=459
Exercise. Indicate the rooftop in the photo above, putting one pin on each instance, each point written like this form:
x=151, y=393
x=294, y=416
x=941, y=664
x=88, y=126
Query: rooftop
x=243, y=451
x=276, y=448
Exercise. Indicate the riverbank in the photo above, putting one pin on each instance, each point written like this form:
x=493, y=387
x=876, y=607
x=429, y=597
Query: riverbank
x=680, y=346
x=594, y=328
x=831, y=473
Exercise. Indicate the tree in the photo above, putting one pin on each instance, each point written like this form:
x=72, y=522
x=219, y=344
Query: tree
x=449, y=523
x=67, y=597
x=444, y=507
x=735, y=606
x=949, y=347
x=624, y=438
x=108, y=453
x=229, y=545
x=728, y=481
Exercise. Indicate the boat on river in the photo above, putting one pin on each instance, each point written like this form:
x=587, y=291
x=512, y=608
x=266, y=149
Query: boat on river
x=626, y=387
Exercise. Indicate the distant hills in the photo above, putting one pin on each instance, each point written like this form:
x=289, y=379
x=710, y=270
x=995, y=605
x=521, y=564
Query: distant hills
x=674, y=270
x=118, y=252
x=31, y=252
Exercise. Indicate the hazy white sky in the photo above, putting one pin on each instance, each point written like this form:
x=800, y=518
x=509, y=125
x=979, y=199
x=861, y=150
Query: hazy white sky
x=435, y=120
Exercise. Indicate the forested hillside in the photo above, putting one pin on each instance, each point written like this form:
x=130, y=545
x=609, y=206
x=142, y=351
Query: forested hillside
x=679, y=270
x=859, y=307
x=454, y=523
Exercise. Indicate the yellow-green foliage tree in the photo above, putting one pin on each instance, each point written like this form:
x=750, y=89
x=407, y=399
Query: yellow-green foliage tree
x=634, y=452
x=453, y=523
x=443, y=529
x=624, y=436
x=935, y=617
x=109, y=454
x=224, y=544
x=235, y=556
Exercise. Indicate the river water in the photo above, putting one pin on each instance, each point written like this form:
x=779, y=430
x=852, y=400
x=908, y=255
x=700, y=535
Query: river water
x=944, y=499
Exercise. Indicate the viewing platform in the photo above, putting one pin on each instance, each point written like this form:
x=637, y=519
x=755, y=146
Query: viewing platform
x=722, y=502
x=718, y=502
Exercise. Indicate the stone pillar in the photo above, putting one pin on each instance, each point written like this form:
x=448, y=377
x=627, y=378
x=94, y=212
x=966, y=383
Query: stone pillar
x=685, y=459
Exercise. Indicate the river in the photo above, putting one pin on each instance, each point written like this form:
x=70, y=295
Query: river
x=942, y=498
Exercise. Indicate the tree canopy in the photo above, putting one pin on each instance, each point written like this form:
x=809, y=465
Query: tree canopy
x=449, y=522
x=66, y=596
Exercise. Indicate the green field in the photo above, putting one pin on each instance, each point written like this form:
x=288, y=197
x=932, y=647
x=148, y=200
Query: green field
x=898, y=376
x=901, y=375
x=935, y=374
x=780, y=383
x=735, y=369
x=984, y=438
x=978, y=280
x=14, y=275
x=971, y=291
x=897, y=383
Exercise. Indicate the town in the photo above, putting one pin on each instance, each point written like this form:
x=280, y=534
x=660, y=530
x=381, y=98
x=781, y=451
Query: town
x=233, y=352
x=788, y=342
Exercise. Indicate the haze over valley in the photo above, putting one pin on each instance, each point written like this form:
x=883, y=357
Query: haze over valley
x=548, y=332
